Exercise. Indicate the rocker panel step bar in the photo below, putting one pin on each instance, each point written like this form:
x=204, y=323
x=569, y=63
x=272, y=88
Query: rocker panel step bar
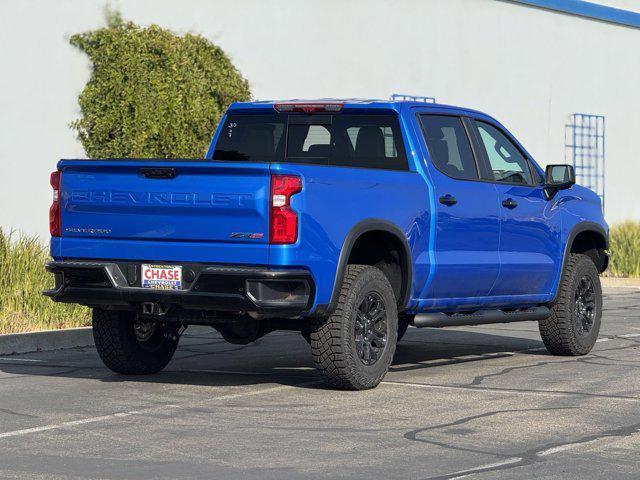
x=480, y=317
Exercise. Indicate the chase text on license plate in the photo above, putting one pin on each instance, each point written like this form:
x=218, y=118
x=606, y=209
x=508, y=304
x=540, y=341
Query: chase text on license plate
x=163, y=277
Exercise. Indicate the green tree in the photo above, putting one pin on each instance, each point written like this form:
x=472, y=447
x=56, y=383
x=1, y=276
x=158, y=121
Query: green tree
x=152, y=93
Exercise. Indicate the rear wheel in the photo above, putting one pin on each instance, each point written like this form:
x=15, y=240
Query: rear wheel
x=354, y=347
x=574, y=323
x=128, y=345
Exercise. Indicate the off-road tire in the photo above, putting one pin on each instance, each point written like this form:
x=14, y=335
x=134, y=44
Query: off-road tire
x=560, y=331
x=122, y=352
x=404, y=321
x=333, y=343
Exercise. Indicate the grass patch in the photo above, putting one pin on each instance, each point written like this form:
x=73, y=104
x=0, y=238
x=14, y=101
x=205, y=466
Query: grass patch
x=23, y=308
x=625, y=249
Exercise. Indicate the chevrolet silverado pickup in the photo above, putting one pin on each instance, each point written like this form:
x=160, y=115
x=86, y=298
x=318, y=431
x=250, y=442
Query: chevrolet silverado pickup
x=344, y=220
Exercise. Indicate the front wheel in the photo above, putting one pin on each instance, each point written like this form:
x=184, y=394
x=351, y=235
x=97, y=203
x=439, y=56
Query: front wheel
x=574, y=323
x=354, y=347
x=130, y=346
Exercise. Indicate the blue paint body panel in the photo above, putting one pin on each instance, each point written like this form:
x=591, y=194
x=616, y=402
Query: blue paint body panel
x=111, y=211
x=475, y=254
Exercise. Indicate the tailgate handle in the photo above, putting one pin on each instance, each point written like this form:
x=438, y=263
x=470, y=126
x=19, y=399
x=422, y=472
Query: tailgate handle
x=159, y=172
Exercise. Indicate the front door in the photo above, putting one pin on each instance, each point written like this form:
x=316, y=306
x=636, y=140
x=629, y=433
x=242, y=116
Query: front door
x=465, y=261
x=530, y=231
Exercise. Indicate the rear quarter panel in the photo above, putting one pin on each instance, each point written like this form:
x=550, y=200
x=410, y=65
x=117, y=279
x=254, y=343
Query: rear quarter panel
x=334, y=200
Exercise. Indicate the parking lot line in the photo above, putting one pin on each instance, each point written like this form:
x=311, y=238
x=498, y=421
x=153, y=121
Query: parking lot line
x=8, y=359
x=73, y=423
x=113, y=416
x=482, y=468
x=502, y=391
x=526, y=456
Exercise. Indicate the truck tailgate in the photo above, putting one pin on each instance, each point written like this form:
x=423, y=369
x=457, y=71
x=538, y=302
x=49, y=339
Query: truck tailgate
x=135, y=207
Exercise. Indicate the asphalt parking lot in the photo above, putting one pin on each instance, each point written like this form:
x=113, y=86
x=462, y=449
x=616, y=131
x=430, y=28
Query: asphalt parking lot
x=474, y=402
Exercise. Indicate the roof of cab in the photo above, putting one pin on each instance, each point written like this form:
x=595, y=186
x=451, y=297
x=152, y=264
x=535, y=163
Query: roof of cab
x=348, y=104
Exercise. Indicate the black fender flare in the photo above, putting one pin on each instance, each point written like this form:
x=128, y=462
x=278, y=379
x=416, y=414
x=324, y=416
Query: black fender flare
x=362, y=227
x=577, y=229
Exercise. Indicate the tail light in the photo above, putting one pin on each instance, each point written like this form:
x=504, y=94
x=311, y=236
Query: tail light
x=54, y=210
x=283, y=227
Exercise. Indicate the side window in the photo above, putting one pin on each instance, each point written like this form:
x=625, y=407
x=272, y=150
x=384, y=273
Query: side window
x=505, y=160
x=449, y=146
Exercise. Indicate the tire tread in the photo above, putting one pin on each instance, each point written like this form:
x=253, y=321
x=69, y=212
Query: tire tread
x=557, y=331
x=328, y=349
x=116, y=345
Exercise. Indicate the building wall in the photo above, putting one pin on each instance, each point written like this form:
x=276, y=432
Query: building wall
x=528, y=67
x=631, y=5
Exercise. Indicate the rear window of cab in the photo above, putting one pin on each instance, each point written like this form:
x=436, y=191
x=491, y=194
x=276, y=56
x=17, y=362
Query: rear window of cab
x=344, y=140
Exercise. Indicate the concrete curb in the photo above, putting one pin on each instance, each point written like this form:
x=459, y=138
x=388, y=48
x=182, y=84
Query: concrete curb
x=615, y=282
x=45, y=340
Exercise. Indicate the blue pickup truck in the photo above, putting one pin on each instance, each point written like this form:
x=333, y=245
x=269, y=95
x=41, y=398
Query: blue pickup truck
x=345, y=220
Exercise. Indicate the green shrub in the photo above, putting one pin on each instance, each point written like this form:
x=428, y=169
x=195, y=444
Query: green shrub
x=152, y=93
x=625, y=249
x=22, y=280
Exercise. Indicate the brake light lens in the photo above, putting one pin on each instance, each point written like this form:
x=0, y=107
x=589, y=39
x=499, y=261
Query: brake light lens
x=54, y=210
x=303, y=107
x=283, y=219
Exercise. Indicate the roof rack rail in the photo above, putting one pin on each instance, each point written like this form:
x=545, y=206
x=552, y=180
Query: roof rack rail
x=412, y=98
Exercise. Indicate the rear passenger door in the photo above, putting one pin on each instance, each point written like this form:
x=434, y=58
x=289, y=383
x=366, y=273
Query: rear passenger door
x=467, y=216
x=530, y=227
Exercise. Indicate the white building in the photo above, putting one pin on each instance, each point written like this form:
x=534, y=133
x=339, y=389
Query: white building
x=530, y=67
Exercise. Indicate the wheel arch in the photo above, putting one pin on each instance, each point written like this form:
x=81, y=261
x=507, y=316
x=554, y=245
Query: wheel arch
x=361, y=230
x=590, y=239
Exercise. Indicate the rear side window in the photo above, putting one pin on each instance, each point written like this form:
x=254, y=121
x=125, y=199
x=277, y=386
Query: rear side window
x=346, y=140
x=449, y=146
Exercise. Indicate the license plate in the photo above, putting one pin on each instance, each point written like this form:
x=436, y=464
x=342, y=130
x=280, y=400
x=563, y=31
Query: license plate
x=162, y=277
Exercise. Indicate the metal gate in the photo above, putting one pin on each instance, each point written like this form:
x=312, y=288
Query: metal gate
x=584, y=149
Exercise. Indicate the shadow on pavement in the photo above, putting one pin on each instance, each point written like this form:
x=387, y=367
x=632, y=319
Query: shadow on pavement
x=278, y=358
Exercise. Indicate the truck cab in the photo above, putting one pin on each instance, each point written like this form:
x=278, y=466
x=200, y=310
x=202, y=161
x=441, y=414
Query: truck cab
x=346, y=220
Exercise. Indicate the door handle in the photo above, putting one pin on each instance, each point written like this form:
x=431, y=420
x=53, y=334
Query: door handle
x=448, y=200
x=159, y=172
x=509, y=203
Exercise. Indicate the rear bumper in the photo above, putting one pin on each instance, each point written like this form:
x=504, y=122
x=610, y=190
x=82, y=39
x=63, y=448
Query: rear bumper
x=272, y=293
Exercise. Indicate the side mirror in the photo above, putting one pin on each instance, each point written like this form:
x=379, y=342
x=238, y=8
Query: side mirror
x=558, y=177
